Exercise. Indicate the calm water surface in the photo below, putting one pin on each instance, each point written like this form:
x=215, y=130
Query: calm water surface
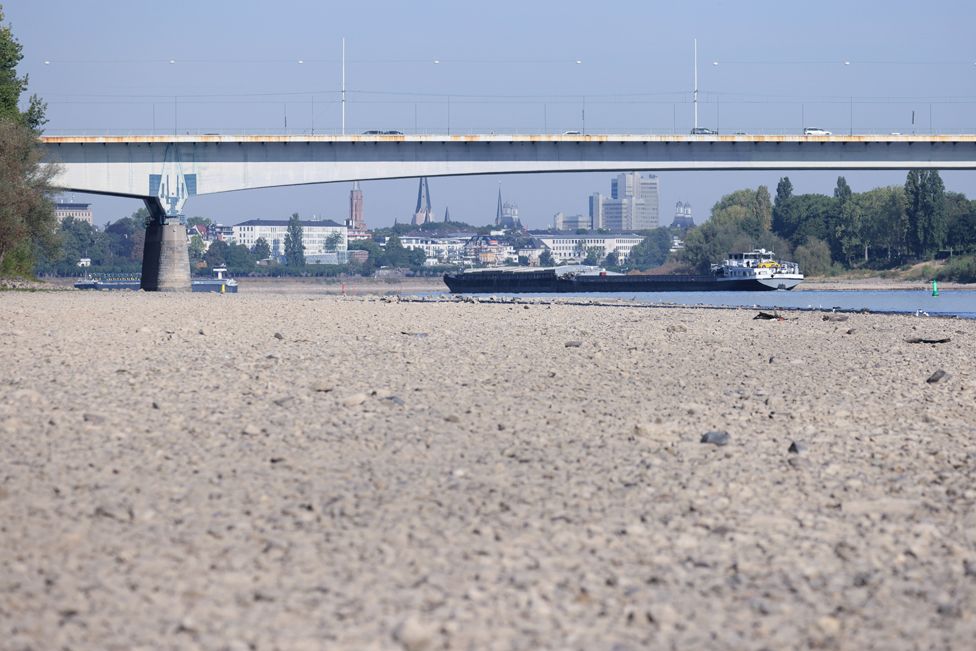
x=948, y=303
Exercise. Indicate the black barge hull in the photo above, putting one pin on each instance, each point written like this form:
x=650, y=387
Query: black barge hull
x=545, y=282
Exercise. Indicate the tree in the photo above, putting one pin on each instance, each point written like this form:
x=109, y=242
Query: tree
x=813, y=256
x=764, y=207
x=612, y=259
x=926, y=211
x=294, y=249
x=333, y=241
x=216, y=255
x=546, y=259
x=961, y=218
x=416, y=257
x=27, y=220
x=394, y=254
x=847, y=222
x=197, y=249
x=784, y=219
x=239, y=259
x=593, y=255
x=652, y=251
x=199, y=221
x=12, y=86
x=261, y=250
x=884, y=222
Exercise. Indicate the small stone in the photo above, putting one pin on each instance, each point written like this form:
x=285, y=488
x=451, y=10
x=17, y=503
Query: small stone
x=835, y=317
x=715, y=437
x=677, y=328
x=250, y=430
x=796, y=447
x=354, y=400
x=850, y=331
x=573, y=344
x=937, y=376
x=323, y=386
x=278, y=335
x=94, y=419
x=414, y=635
x=200, y=331
x=155, y=405
x=828, y=627
x=452, y=418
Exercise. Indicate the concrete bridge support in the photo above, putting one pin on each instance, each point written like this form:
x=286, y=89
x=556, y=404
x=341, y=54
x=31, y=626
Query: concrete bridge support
x=165, y=259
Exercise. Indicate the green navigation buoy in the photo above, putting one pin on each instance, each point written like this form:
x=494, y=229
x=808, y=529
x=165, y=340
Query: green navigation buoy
x=935, y=288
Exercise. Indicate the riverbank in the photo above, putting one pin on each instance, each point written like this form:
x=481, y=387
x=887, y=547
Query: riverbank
x=301, y=471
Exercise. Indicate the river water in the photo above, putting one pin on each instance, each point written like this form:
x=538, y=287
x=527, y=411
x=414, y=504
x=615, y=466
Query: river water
x=947, y=303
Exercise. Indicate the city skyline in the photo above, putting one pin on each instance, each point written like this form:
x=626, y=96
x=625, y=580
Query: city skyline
x=265, y=72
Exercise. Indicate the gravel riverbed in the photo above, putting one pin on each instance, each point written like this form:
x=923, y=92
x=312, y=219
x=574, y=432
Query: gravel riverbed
x=301, y=471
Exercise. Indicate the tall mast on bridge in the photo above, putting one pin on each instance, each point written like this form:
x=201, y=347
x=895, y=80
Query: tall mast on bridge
x=343, y=86
x=695, y=94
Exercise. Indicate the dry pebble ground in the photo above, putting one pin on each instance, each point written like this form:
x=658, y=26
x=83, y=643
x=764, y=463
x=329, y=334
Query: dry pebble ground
x=307, y=472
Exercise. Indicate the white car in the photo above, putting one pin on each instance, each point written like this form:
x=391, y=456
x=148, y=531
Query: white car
x=814, y=131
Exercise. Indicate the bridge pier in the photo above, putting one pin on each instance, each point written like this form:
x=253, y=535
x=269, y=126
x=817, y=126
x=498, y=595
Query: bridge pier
x=165, y=259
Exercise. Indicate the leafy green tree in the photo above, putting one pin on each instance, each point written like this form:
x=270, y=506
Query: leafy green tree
x=884, y=220
x=27, y=221
x=216, y=255
x=261, y=250
x=394, y=254
x=961, y=218
x=813, y=256
x=416, y=257
x=785, y=220
x=199, y=221
x=239, y=259
x=764, y=207
x=652, y=251
x=197, y=249
x=333, y=241
x=926, y=211
x=12, y=86
x=127, y=236
x=612, y=259
x=294, y=249
x=546, y=259
x=847, y=222
x=593, y=255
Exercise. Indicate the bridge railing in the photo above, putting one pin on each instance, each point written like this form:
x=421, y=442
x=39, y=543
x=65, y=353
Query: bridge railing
x=612, y=130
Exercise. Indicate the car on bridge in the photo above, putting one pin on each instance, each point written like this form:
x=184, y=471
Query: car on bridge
x=815, y=131
x=703, y=131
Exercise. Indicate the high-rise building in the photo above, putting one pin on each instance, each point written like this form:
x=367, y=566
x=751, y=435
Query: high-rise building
x=356, y=221
x=633, y=203
x=423, y=214
x=506, y=214
x=596, y=210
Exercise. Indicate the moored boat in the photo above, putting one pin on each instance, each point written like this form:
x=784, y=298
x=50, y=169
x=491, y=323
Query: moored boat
x=755, y=270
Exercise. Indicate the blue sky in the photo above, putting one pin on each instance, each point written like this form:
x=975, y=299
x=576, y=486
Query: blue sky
x=504, y=66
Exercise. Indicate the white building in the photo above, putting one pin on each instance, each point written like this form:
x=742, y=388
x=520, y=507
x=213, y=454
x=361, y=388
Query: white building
x=563, y=222
x=448, y=250
x=80, y=211
x=315, y=235
x=572, y=248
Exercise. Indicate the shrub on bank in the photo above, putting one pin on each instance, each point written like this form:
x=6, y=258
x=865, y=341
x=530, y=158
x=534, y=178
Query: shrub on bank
x=960, y=269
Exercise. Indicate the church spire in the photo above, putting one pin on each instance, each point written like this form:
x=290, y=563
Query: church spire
x=498, y=211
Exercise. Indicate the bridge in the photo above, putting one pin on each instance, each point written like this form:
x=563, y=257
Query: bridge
x=165, y=171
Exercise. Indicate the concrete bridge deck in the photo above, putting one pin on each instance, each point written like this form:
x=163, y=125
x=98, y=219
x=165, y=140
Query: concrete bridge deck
x=166, y=170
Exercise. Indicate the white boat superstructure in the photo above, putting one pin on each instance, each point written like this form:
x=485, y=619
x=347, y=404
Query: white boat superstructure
x=761, y=266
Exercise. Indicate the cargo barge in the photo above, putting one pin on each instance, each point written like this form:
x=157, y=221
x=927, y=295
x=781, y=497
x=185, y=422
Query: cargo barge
x=751, y=271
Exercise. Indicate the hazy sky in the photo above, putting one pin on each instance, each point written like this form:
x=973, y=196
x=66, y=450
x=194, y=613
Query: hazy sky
x=503, y=66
